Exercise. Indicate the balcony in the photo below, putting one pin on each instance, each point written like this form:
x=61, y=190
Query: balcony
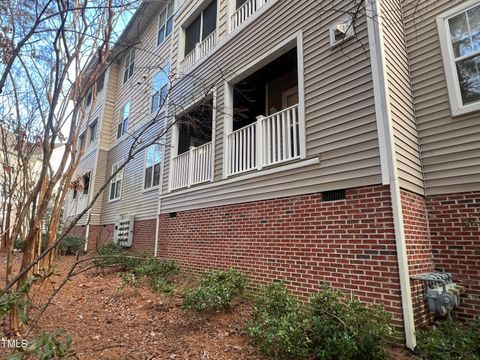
x=192, y=167
x=201, y=49
x=243, y=12
x=269, y=141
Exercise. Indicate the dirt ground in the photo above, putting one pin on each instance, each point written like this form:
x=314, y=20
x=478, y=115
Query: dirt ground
x=108, y=321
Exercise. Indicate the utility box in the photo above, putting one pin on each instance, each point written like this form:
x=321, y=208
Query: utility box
x=442, y=294
x=123, y=234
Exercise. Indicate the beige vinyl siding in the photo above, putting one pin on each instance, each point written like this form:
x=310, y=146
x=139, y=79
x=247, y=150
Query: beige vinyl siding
x=401, y=100
x=133, y=200
x=149, y=59
x=450, y=147
x=339, y=106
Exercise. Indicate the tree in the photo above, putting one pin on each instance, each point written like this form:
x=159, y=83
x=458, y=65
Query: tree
x=53, y=55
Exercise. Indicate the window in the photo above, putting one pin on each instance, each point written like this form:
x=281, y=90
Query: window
x=123, y=120
x=152, y=166
x=460, y=40
x=75, y=192
x=165, y=23
x=203, y=25
x=129, y=63
x=160, y=88
x=86, y=183
x=93, y=131
x=116, y=183
x=82, y=141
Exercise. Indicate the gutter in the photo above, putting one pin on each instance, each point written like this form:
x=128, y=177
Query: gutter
x=388, y=160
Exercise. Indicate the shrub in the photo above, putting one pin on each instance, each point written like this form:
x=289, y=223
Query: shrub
x=216, y=290
x=343, y=328
x=163, y=286
x=448, y=340
x=152, y=266
x=71, y=245
x=115, y=255
x=278, y=324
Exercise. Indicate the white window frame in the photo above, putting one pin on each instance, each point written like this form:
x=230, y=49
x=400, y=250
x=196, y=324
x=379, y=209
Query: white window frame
x=122, y=119
x=82, y=142
x=145, y=167
x=129, y=64
x=115, y=180
x=165, y=70
x=168, y=9
x=453, y=84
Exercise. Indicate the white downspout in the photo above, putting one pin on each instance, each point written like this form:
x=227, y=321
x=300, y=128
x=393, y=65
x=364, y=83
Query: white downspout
x=388, y=160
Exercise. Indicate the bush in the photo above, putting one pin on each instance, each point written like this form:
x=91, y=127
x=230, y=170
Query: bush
x=449, y=340
x=163, y=286
x=343, y=328
x=152, y=266
x=278, y=325
x=115, y=255
x=71, y=245
x=216, y=290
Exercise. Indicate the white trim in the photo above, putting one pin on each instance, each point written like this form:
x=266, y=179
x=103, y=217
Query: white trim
x=453, y=84
x=377, y=56
x=252, y=175
x=227, y=124
x=214, y=132
x=389, y=162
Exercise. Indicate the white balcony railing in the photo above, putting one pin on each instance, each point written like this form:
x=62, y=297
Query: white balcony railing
x=192, y=167
x=270, y=140
x=245, y=11
x=201, y=49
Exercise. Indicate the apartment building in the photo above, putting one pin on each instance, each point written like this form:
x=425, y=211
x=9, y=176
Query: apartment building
x=333, y=142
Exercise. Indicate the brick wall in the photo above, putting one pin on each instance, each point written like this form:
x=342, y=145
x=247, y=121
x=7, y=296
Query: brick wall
x=419, y=249
x=99, y=235
x=301, y=240
x=144, y=236
x=456, y=246
x=78, y=231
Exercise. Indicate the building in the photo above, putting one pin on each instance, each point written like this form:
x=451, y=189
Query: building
x=336, y=143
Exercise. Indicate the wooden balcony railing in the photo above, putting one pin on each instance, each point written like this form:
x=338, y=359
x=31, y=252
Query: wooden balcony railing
x=201, y=49
x=192, y=167
x=268, y=141
x=244, y=12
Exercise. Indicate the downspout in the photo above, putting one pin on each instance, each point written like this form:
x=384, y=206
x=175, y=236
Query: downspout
x=388, y=160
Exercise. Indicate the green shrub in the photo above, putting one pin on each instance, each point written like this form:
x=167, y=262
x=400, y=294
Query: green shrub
x=71, y=245
x=278, y=325
x=164, y=286
x=216, y=290
x=116, y=255
x=342, y=328
x=19, y=244
x=152, y=266
x=447, y=340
